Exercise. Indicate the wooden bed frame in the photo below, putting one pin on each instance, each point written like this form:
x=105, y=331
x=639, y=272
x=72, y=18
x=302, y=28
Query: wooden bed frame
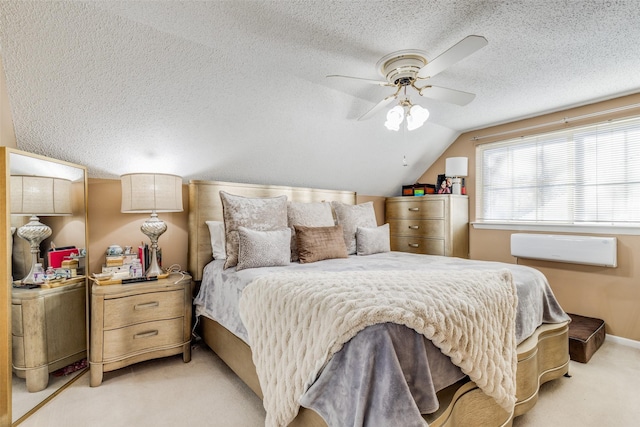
x=542, y=357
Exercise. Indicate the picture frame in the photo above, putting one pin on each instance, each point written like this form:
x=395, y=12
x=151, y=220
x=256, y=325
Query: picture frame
x=443, y=185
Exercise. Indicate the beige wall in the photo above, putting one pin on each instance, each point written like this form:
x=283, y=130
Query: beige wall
x=108, y=226
x=7, y=134
x=612, y=294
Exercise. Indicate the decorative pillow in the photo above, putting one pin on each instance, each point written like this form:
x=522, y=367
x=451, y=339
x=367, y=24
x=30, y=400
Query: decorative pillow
x=308, y=215
x=350, y=217
x=318, y=243
x=216, y=230
x=263, y=248
x=371, y=241
x=259, y=213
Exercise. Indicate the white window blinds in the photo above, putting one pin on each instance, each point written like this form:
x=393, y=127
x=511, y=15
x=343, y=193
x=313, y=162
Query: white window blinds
x=584, y=175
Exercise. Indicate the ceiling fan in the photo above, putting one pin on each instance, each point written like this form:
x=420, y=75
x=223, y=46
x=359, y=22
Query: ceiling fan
x=410, y=67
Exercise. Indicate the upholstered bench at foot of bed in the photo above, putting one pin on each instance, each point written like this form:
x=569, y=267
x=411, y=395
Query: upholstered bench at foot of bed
x=586, y=335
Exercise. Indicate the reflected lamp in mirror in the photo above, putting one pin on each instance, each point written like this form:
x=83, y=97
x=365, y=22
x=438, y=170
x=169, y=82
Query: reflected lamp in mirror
x=35, y=196
x=456, y=168
x=151, y=192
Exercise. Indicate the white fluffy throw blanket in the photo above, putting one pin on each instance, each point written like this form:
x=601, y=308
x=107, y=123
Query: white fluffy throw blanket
x=297, y=320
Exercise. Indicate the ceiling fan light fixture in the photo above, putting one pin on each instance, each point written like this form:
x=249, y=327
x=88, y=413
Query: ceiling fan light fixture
x=394, y=118
x=416, y=117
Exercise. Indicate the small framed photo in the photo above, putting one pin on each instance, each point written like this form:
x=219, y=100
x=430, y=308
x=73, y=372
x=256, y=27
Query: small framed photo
x=444, y=185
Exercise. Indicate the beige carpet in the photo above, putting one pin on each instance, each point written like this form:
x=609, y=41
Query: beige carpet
x=204, y=392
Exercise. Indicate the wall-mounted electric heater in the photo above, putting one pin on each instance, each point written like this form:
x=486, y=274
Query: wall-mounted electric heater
x=566, y=248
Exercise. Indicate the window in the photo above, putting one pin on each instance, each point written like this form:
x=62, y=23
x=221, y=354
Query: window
x=586, y=175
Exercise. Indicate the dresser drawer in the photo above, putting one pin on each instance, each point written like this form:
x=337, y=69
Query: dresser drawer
x=142, y=308
x=418, y=228
x=417, y=245
x=416, y=209
x=143, y=336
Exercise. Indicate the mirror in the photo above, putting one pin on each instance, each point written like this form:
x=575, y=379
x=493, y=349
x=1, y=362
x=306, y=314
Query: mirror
x=47, y=332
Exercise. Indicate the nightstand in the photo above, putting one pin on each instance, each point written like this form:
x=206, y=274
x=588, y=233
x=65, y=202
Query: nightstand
x=48, y=330
x=139, y=321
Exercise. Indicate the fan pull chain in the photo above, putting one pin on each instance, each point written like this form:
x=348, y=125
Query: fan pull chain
x=404, y=139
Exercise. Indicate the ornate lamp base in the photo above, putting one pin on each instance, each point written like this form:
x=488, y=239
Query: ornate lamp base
x=153, y=228
x=33, y=232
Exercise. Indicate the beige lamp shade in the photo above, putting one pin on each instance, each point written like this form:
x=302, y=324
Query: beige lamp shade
x=149, y=192
x=40, y=195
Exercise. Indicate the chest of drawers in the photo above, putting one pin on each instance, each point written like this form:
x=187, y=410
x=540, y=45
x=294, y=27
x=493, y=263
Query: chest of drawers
x=139, y=321
x=432, y=224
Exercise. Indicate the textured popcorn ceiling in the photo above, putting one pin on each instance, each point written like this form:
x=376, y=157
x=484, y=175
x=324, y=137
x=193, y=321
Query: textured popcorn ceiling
x=236, y=90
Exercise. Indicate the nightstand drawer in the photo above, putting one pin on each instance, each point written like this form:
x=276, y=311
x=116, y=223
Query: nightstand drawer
x=143, y=336
x=417, y=245
x=416, y=209
x=16, y=320
x=419, y=228
x=143, y=308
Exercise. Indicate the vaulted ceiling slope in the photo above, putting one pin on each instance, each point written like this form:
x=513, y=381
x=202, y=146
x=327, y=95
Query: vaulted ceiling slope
x=236, y=90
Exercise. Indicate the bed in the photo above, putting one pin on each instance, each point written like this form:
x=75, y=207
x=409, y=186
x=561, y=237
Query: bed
x=542, y=354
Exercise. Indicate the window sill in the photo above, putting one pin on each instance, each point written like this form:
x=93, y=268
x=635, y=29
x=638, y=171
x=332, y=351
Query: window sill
x=560, y=228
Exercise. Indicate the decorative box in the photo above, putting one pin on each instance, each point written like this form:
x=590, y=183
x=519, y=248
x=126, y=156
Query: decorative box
x=418, y=189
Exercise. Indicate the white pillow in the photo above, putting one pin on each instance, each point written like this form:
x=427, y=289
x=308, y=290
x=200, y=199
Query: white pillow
x=216, y=230
x=263, y=248
x=350, y=217
x=371, y=241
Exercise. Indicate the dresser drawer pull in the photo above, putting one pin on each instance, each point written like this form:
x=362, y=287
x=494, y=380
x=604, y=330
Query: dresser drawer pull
x=414, y=227
x=145, y=334
x=414, y=245
x=146, y=305
x=414, y=209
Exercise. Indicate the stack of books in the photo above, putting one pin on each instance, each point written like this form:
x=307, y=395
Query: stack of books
x=119, y=265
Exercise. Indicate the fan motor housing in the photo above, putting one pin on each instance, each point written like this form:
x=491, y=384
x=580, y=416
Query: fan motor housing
x=401, y=67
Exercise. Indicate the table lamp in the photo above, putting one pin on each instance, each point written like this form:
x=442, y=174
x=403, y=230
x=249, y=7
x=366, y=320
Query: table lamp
x=38, y=195
x=455, y=168
x=151, y=192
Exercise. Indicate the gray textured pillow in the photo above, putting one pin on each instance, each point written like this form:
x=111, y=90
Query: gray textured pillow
x=308, y=215
x=371, y=241
x=263, y=248
x=318, y=243
x=350, y=217
x=258, y=213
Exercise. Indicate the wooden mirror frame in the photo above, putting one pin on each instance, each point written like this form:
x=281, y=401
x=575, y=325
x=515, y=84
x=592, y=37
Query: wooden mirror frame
x=6, y=395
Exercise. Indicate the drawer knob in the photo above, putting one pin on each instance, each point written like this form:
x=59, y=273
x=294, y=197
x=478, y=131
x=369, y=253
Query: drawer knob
x=414, y=209
x=414, y=227
x=146, y=305
x=414, y=245
x=145, y=334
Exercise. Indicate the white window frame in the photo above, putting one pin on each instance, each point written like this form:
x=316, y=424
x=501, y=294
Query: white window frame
x=579, y=215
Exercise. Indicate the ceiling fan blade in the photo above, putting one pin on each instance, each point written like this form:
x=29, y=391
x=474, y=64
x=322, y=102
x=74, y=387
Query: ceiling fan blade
x=375, y=82
x=447, y=95
x=460, y=50
x=379, y=106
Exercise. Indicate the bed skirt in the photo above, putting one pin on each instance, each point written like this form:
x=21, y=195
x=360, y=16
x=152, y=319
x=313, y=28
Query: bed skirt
x=542, y=357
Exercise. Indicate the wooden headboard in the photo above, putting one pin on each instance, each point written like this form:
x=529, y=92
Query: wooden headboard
x=205, y=205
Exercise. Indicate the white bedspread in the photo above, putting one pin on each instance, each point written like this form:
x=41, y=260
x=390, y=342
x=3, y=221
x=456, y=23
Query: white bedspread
x=469, y=315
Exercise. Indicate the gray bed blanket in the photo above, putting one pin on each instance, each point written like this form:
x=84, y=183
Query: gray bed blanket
x=385, y=374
